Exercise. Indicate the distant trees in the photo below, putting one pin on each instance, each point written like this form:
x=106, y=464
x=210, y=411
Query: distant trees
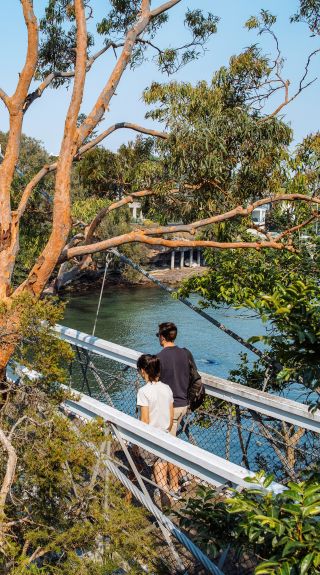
x=219, y=156
x=220, y=148
x=61, y=55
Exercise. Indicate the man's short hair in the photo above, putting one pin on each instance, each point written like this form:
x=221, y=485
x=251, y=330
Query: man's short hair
x=168, y=330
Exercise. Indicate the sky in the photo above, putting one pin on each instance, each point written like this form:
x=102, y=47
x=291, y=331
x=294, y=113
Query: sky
x=45, y=118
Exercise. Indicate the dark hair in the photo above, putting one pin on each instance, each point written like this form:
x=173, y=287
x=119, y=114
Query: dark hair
x=168, y=330
x=151, y=365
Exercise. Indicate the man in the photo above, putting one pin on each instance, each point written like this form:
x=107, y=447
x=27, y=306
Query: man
x=174, y=371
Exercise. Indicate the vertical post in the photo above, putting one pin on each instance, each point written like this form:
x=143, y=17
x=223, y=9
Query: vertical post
x=106, y=543
x=173, y=253
x=182, y=258
x=191, y=258
x=107, y=479
x=198, y=257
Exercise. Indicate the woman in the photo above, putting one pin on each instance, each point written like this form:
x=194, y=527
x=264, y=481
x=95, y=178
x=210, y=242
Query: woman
x=155, y=400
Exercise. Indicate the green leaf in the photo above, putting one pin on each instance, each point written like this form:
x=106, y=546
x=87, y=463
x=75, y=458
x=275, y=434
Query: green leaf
x=264, y=568
x=284, y=569
x=292, y=508
x=291, y=546
x=268, y=480
x=311, y=510
x=305, y=563
x=311, y=490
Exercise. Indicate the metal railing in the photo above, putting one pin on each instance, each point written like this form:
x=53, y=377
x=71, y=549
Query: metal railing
x=237, y=432
x=212, y=469
x=263, y=403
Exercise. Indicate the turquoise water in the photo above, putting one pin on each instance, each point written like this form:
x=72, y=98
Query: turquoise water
x=130, y=317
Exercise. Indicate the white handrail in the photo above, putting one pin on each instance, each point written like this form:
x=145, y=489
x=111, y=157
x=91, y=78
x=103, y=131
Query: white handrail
x=264, y=403
x=209, y=467
x=202, y=464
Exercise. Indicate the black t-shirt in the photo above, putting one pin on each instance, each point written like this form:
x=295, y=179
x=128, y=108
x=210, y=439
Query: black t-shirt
x=174, y=371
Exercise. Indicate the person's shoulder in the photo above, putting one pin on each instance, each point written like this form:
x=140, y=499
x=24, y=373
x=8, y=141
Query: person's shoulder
x=186, y=351
x=163, y=351
x=167, y=389
x=143, y=392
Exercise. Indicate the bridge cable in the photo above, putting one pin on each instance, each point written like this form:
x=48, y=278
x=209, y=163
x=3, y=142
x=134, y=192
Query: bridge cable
x=189, y=304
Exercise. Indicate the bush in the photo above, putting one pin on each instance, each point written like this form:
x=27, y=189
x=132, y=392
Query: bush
x=281, y=531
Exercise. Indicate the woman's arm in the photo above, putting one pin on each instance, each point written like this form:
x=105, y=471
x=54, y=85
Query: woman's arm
x=171, y=416
x=144, y=413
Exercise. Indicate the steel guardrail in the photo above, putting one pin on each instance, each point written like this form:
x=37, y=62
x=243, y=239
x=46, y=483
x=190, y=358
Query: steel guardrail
x=262, y=402
x=193, y=459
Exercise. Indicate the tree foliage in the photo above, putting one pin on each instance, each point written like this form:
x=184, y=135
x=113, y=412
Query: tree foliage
x=216, y=142
x=283, y=291
x=309, y=11
x=278, y=532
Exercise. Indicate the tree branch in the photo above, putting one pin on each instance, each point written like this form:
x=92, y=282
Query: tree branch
x=17, y=423
x=31, y=57
x=61, y=220
x=118, y=126
x=145, y=6
x=143, y=236
x=31, y=185
x=9, y=474
x=47, y=169
x=108, y=91
x=238, y=211
x=286, y=85
x=298, y=227
x=57, y=74
x=9, y=226
x=266, y=433
x=5, y=98
x=102, y=214
x=164, y=8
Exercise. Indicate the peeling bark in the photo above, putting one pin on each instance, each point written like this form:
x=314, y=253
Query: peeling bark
x=61, y=224
x=57, y=249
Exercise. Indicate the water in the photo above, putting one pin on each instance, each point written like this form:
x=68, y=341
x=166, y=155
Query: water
x=130, y=317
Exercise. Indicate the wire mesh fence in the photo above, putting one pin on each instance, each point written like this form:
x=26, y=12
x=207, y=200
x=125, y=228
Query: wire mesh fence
x=239, y=435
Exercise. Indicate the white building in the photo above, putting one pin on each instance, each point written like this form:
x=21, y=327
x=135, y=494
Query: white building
x=136, y=211
x=259, y=215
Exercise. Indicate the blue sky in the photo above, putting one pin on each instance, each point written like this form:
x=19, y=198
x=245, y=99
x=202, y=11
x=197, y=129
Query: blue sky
x=44, y=120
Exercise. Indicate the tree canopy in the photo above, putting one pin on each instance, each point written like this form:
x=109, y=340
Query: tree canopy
x=220, y=156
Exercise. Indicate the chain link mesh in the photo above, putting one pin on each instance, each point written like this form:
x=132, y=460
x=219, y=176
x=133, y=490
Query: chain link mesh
x=237, y=434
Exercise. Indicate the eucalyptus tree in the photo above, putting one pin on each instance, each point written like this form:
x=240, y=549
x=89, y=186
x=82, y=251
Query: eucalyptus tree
x=59, y=51
x=62, y=53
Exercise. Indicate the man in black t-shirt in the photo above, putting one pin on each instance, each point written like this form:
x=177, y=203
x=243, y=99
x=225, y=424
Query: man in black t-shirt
x=174, y=371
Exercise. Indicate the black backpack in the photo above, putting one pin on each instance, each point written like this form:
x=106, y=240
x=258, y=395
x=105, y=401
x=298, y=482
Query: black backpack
x=196, y=390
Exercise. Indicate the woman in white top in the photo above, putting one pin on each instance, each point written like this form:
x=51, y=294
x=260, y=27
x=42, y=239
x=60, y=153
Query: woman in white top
x=155, y=400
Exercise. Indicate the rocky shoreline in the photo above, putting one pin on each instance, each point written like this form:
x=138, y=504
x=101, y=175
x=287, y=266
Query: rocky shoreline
x=92, y=281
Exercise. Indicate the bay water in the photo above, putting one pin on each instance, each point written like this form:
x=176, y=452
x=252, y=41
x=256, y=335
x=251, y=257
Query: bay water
x=130, y=317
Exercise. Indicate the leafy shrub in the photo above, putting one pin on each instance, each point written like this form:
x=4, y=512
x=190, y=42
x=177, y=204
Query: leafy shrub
x=282, y=531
